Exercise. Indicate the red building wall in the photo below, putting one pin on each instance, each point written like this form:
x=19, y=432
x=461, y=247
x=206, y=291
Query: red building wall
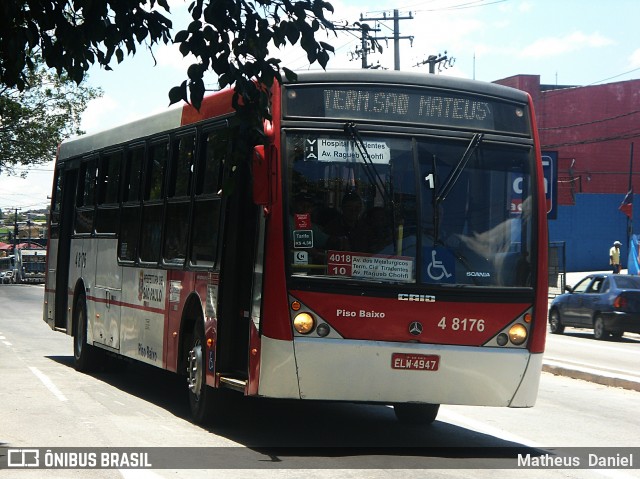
x=592, y=129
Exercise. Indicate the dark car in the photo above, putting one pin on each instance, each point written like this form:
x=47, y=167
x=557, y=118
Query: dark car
x=607, y=303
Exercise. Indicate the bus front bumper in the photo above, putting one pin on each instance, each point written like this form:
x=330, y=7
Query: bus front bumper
x=361, y=371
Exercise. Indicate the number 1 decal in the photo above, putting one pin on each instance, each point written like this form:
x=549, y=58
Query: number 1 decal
x=429, y=180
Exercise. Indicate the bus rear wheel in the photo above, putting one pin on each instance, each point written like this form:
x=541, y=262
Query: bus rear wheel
x=84, y=355
x=413, y=413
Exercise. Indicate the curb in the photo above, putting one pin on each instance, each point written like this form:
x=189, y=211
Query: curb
x=591, y=375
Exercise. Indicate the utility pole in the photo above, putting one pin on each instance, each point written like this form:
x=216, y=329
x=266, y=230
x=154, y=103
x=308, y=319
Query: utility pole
x=15, y=230
x=396, y=33
x=365, y=39
x=443, y=61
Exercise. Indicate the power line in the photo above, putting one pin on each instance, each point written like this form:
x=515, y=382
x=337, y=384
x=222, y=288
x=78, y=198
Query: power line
x=623, y=136
x=590, y=122
x=615, y=76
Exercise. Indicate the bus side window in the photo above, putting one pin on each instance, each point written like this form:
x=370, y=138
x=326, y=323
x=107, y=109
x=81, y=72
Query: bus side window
x=182, y=159
x=206, y=213
x=204, y=232
x=133, y=175
x=130, y=214
x=108, y=188
x=175, y=237
x=129, y=232
x=153, y=207
x=56, y=205
x=212, y=152
x=178, y=206
x=156, y=166
x=85, y=197
x=151, y=233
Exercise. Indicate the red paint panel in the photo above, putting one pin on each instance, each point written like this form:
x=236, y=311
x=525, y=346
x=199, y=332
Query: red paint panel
x=212, y=106
x=388, y=319
x=539, y=326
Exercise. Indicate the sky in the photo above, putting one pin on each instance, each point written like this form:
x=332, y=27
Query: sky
x=567, y=42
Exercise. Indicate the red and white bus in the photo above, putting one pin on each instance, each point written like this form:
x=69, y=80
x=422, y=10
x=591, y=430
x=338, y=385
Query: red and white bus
x=387, y=244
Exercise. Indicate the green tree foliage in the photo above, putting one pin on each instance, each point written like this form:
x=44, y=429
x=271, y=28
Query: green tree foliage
x=229, y=38
x=232, y=38
x=34, y=120
x=74, y=34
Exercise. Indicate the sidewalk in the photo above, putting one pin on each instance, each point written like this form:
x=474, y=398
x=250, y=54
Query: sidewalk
x=604, y=376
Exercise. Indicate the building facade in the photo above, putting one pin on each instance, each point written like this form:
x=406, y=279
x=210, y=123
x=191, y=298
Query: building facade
x=595, y=132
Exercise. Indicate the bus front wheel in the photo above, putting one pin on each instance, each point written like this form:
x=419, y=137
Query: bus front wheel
x=201, y=396
x=413, y=413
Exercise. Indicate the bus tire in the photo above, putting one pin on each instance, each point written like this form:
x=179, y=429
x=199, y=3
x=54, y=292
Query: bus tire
x=413, y=413
x=201, y=396
x=84, y=355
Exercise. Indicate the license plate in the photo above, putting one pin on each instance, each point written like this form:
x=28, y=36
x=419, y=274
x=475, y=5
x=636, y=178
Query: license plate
x=416, y=362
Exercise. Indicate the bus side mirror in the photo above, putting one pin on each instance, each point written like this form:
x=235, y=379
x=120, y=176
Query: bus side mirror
x=260, y=176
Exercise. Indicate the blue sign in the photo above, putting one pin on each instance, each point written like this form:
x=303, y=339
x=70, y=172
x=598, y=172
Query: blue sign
x=439, y=265
x=550, y=171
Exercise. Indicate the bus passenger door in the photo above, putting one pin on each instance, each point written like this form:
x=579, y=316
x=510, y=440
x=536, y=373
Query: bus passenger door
x=237, y=269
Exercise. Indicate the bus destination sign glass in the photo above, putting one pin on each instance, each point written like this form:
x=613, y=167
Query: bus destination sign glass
x=422, y=106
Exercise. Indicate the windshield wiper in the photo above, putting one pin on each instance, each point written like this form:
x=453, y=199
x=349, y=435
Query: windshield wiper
x=374, y=177
x=370, y=169
x=450, y=182
x=457, y=171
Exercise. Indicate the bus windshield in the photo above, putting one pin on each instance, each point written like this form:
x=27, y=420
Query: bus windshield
x=438, y=211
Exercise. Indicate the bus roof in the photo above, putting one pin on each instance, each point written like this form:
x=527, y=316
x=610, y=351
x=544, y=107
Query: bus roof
x=413, y=78
x=177, y=116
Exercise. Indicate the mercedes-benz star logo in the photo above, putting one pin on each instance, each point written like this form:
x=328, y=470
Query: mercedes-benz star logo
x=415, y=328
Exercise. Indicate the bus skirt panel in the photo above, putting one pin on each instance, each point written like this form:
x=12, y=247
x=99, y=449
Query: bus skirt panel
x=384, y=372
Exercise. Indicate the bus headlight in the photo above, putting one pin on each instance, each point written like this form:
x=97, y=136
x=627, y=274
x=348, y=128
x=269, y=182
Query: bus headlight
x=303, y=323
x=517, y=334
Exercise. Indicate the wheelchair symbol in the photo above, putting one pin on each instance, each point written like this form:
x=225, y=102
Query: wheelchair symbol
x=437, y=266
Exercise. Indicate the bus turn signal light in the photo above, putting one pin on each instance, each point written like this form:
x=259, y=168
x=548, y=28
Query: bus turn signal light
x=517, y=334
x=303, y=323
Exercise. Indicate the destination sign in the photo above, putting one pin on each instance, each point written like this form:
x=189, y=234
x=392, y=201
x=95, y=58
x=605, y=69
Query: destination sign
x=407, y=105
x=330, y=149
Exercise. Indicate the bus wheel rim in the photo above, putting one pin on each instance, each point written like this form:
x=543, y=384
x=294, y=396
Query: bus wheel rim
x=194, y=370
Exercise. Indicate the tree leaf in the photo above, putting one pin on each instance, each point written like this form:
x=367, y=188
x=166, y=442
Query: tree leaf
x=178, y=93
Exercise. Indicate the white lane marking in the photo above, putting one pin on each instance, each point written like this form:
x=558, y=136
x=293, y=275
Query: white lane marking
x=7, y=343
x=48, y=383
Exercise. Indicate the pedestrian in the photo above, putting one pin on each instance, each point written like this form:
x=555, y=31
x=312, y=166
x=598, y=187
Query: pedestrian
x=614, y=257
